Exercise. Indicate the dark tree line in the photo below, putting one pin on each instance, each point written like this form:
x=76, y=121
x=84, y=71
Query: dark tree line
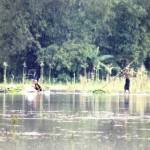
x=74, y=36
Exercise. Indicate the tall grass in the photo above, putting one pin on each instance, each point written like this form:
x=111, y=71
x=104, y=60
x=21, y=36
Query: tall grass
x=140, y=83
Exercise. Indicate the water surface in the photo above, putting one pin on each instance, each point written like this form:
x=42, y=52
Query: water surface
x=74, y=121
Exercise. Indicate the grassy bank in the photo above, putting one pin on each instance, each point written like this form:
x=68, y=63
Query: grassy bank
x=111, y=86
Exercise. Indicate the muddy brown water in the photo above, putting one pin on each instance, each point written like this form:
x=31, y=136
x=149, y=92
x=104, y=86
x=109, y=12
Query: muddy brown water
x=74, y=121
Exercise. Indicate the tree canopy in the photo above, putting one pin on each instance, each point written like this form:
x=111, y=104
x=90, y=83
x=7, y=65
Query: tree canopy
x=72, y=36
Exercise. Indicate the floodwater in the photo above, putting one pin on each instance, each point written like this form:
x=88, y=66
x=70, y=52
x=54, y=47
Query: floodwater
x=74, y=121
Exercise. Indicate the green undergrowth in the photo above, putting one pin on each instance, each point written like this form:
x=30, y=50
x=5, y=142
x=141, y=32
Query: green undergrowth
x=98, y=87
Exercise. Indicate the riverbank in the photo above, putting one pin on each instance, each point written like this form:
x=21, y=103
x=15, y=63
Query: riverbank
x=111, y=86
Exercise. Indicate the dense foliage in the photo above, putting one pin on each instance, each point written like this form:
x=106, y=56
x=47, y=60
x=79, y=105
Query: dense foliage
x=74, y=37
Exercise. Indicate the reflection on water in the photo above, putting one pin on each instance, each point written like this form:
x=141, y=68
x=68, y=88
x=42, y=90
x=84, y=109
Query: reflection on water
x=74, y=121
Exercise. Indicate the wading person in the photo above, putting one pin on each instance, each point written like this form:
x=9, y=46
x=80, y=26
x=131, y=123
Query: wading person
x=127, y=81
x=36, y=86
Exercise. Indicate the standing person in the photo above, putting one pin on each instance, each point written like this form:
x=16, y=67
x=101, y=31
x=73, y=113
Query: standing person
x=36, y=86
x=127, y=81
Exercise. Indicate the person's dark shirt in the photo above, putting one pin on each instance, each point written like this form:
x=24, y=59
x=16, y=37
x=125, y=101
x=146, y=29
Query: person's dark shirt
x=37, y=87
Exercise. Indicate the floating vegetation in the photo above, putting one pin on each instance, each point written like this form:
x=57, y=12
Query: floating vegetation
x=99, y=91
